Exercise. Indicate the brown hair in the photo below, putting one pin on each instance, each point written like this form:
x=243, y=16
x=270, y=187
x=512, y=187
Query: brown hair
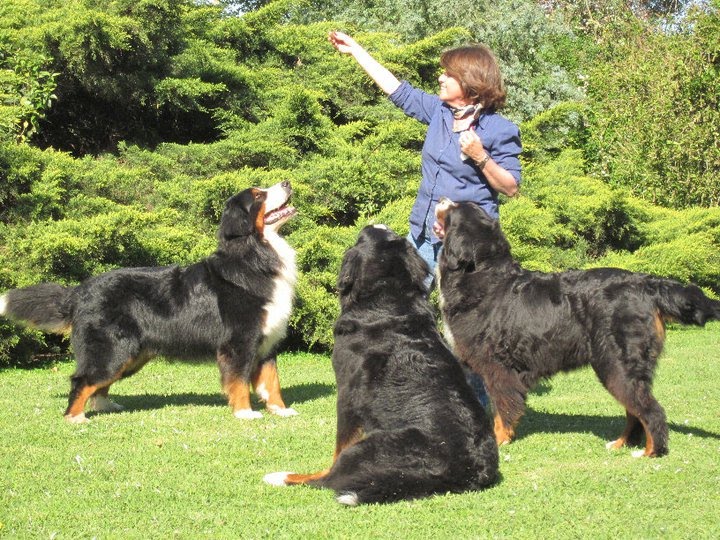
x=476, y=69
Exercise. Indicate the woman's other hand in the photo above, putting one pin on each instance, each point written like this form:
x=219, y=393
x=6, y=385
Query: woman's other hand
x=471, y=145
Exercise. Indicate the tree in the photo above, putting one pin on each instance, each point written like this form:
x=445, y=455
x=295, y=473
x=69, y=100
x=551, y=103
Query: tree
x=655, y=109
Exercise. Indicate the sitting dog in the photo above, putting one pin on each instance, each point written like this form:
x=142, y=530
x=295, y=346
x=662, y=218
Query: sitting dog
x=408, y=424
x=515, y=327
x=235, y=304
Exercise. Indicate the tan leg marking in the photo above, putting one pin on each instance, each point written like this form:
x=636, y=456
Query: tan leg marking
x=266, y=382
x=76, y=412
x=503, y=433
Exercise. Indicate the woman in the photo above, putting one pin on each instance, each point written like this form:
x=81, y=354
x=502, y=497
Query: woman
x=470, y=152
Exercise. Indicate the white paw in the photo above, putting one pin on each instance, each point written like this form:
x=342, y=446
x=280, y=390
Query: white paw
x=638, y=453
x=276, y=478
x=103, y=404
x=349, y=499
x=247, y=414
x=280, y=411
x=77, y=419
x=611, y=445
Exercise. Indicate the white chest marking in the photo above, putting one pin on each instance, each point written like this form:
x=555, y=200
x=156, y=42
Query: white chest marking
x=445, y=326
x=279, y=308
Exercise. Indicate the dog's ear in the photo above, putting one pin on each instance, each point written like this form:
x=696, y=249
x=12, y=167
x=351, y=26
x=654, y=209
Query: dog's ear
x=247, y=199
x=349, y=272
x=497, y=245
x=240, y=214
x=415, y=264
x=458, y=252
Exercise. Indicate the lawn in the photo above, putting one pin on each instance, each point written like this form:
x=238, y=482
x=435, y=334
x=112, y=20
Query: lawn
x=177, y=464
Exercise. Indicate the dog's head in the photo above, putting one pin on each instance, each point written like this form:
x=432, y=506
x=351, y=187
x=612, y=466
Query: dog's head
x=254, y=211
x=379, y=262
x=471, y=236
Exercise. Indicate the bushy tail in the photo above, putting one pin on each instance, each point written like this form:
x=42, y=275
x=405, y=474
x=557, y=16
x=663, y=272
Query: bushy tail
x=685, y=303
x=45, y=306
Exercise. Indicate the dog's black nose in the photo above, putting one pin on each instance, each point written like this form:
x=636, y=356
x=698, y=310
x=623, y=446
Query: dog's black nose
x=285, y=183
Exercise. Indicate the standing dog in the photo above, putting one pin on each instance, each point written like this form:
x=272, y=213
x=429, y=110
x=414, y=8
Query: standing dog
x=235, y=304
x=515, y=327
x=408, y=425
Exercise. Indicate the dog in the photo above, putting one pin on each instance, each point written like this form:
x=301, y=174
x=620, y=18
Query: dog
x=408, y=424
x=515, y=327
x=235, y=304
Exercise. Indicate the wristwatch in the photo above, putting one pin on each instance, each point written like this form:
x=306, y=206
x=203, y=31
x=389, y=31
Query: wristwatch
x=482, y=162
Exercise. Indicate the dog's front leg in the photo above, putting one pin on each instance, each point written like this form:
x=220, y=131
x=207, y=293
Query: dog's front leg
x=266, y=382
x=234, y=373
x=507, y=393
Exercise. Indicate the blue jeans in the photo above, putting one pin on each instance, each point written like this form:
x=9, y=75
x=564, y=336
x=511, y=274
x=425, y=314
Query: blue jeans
x=430, y=254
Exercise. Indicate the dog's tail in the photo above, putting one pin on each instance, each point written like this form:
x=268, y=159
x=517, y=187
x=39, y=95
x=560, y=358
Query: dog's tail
x=46, y=306
x=686, y=304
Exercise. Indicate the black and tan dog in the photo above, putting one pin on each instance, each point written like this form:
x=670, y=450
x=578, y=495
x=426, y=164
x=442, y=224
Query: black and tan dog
x=408, y=425
x=235, y=305
x=515, y=327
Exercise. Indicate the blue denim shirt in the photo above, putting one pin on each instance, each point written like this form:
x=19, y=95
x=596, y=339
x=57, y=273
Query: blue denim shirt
x=444, y=173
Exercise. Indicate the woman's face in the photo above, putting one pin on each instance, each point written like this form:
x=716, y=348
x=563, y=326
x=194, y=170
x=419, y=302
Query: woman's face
x=451, y=92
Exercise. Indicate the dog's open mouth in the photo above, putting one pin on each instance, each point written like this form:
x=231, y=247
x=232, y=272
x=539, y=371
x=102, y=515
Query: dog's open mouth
x=282, y=213
x=441, y=211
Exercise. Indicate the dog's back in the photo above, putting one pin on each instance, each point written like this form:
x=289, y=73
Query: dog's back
x=173, y=311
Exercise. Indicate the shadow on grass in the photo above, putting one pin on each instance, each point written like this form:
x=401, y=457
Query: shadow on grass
x=605, y=427
x=145, y=402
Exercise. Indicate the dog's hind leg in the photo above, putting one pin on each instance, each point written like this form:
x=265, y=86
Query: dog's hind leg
x=85, y=386
x=266, y=382
x=638, y=400
x=102, y=359
x=101, y=403
x=344, y=439
x=632, y=435
x=80, y=392
x=389, y=466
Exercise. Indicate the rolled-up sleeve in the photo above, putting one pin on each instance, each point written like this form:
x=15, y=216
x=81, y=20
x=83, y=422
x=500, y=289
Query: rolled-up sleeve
x=415, y=103
x=506, y=147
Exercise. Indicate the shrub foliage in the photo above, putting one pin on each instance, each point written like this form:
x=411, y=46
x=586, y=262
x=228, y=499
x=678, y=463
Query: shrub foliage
x=125, y=125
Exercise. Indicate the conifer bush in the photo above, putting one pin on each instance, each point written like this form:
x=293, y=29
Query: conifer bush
x=147, y=116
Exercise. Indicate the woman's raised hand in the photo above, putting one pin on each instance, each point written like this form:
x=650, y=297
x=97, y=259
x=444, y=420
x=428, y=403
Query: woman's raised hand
x=342, y=42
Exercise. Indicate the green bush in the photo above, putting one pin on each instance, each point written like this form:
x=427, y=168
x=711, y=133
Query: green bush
x=319, y=253
x=196, y=105
x=551, y=132
x=587, y=207
x=654, y=98
x=538, y=241
x=689, y=258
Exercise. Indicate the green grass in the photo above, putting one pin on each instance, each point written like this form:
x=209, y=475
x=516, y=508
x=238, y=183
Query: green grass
x=177, y=464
